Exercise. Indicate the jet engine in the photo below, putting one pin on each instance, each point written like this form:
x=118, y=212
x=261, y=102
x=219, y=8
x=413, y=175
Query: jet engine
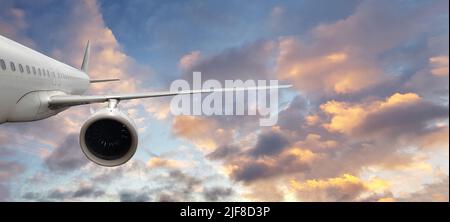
x=109, y=137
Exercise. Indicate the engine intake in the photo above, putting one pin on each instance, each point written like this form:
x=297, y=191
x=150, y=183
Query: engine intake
x=109, y=137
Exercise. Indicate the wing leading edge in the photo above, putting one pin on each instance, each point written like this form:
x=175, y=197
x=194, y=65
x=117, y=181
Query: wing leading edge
x=75, y=100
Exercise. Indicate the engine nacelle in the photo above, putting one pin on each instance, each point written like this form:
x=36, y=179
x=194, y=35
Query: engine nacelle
x=109, y=137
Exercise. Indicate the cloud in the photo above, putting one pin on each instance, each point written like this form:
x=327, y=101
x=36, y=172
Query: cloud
x=31, y=196
x=263, y=191
x=433, y=192
x=158, y=162
x=164, y=197
x=436, y=138
x=345, y=56
x=206, y=134
x=290, y=161
x=399, y=113
x=107, y=175
x=67, y=156
x=80, y=192
x=439, y=65
x=245, y=62
x=217, y=193
x=133, y=196
x=8, y=171
x=331, y=72
x=87, y=191
x=58, y=194
x=174, y=185
x=187, y=61
x=362, y=101
x=269, y=144
x=332, y=147
x=344, y=188
x=107, y=57
x=13, y=23
x=223, y=152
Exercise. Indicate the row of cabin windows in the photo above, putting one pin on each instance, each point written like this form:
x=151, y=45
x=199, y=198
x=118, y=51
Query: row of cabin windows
x=33, y=70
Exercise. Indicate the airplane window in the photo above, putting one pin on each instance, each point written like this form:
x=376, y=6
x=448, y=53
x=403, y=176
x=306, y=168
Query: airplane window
x=28, y=69
x=48, y=73
x=21, y=68
x=39, y=71
x=34, y=70
x=2, y=64
x=13, y=67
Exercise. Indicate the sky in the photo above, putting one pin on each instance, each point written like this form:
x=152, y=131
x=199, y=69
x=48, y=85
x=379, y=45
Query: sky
x=365, y=120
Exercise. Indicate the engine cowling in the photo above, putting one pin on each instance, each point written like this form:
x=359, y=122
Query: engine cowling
x=109, y=137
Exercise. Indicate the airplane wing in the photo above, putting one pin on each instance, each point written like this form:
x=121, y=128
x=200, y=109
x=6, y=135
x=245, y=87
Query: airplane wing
x=60, y=101
x=103, y=80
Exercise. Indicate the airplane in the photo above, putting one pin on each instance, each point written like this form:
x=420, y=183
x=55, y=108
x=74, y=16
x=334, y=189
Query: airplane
x=34, y=86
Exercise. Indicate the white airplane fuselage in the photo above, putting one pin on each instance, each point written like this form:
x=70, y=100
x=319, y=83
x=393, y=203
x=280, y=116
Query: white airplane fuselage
x=28, y=79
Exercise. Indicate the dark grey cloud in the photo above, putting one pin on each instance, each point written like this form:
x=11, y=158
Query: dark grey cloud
x=181, y=186
x=217, y=193
x=409, y=118
x=269, y=143
x=67, y=156
x=89, y=191
x=249, y=61
x=63, y=195
x=293, y=117
x=58, y=194
x=32, y=196
x=222, y=152
x=133, y=196
x=252, y=170
x=186, y=181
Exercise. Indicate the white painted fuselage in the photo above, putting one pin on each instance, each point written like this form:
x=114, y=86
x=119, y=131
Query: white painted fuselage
x=28, y=79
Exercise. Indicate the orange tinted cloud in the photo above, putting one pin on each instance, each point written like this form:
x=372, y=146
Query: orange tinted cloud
x=107, y=57
x=344, y=188
x=439, y=65
x=346, y=117
x=189, y=60
x=203, y=132
x=330, y=72
x=159, y=162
